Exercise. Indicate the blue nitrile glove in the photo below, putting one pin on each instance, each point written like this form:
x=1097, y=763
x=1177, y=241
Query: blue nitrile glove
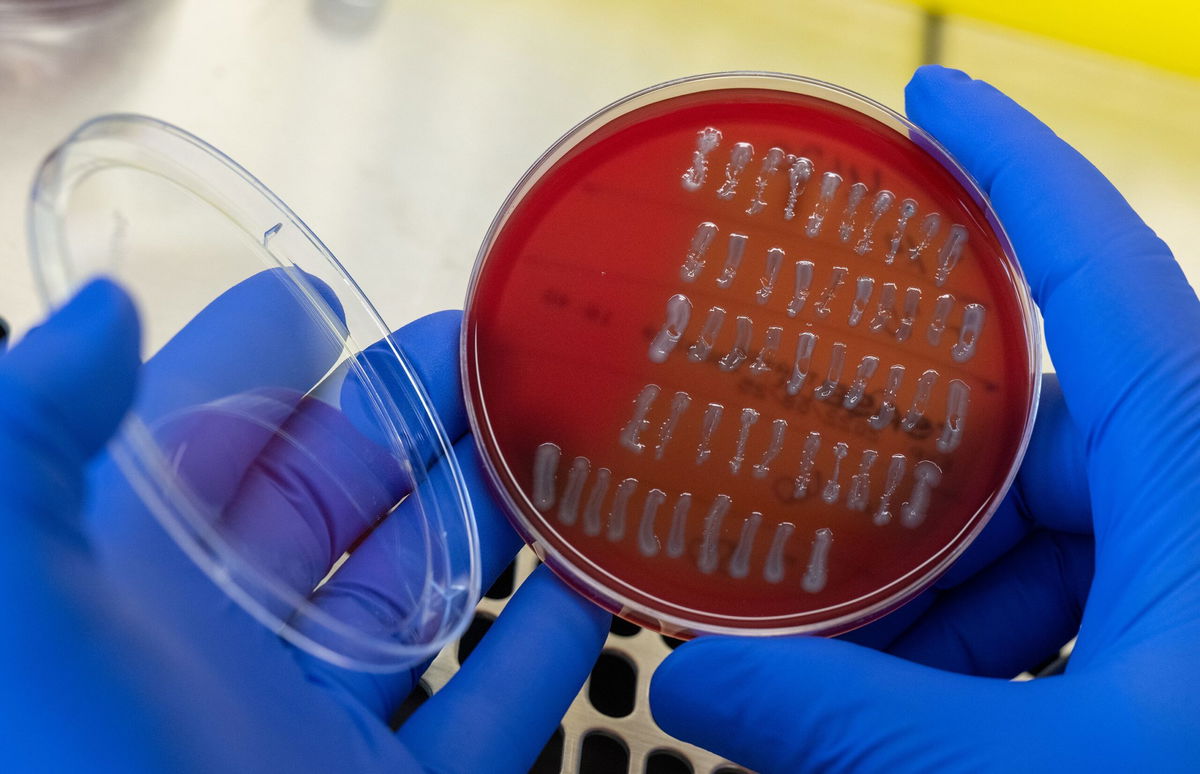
x=118, y=654
x=1113, y=472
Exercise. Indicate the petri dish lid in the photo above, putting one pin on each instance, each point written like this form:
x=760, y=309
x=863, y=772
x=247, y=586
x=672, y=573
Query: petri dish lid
x=279, y=434
x=749, y=353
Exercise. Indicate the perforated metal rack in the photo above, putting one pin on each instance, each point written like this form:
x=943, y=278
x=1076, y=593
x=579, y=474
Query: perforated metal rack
x=608, y=728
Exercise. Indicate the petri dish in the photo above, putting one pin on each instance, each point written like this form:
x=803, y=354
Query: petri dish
x=749, y=353
x=279, y=434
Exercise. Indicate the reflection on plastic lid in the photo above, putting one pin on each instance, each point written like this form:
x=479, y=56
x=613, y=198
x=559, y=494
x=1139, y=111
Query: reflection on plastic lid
x=749, y=353
x=279, y=434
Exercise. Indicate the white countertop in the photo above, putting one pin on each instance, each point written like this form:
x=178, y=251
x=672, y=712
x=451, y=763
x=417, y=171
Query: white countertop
x=396, y=128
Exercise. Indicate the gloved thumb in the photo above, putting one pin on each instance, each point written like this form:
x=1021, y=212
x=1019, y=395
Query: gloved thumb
x=804, y=704
x=63, y=390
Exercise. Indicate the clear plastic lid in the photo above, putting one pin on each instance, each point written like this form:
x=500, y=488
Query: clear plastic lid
x=279, y=435
x=749, y=353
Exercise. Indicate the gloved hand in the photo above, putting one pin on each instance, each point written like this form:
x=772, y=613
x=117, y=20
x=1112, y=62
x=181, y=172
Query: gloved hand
x=1113, y=472
x=118, y=654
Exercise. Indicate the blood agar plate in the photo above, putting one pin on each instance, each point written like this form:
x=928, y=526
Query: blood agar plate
x=749, y=353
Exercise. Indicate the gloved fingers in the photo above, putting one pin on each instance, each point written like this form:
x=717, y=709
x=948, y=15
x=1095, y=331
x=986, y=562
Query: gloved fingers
x=261, y=509
x=326, y=477
x=260, y=336
x=426, y=352
x=311, y=491
x=1010, y=617
x=386, y=572
x=882, y=632
x=256, y=349
x=1120, y=315
x=1007, y=527
x=430, y=346
x=290, y=480
x=1081, y=245
x=261, y=339
x=794, y=704
x=63, y=390
x=496, y=714
x=1050, y=489
x=257, y=335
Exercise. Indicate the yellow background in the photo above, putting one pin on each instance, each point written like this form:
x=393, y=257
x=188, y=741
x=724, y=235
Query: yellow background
x=1165, y=33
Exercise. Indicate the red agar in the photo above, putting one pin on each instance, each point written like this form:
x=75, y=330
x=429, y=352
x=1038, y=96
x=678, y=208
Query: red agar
x=747, y=359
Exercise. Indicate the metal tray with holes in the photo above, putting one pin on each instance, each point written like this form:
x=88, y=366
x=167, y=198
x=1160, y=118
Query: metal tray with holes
x=608, y=728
